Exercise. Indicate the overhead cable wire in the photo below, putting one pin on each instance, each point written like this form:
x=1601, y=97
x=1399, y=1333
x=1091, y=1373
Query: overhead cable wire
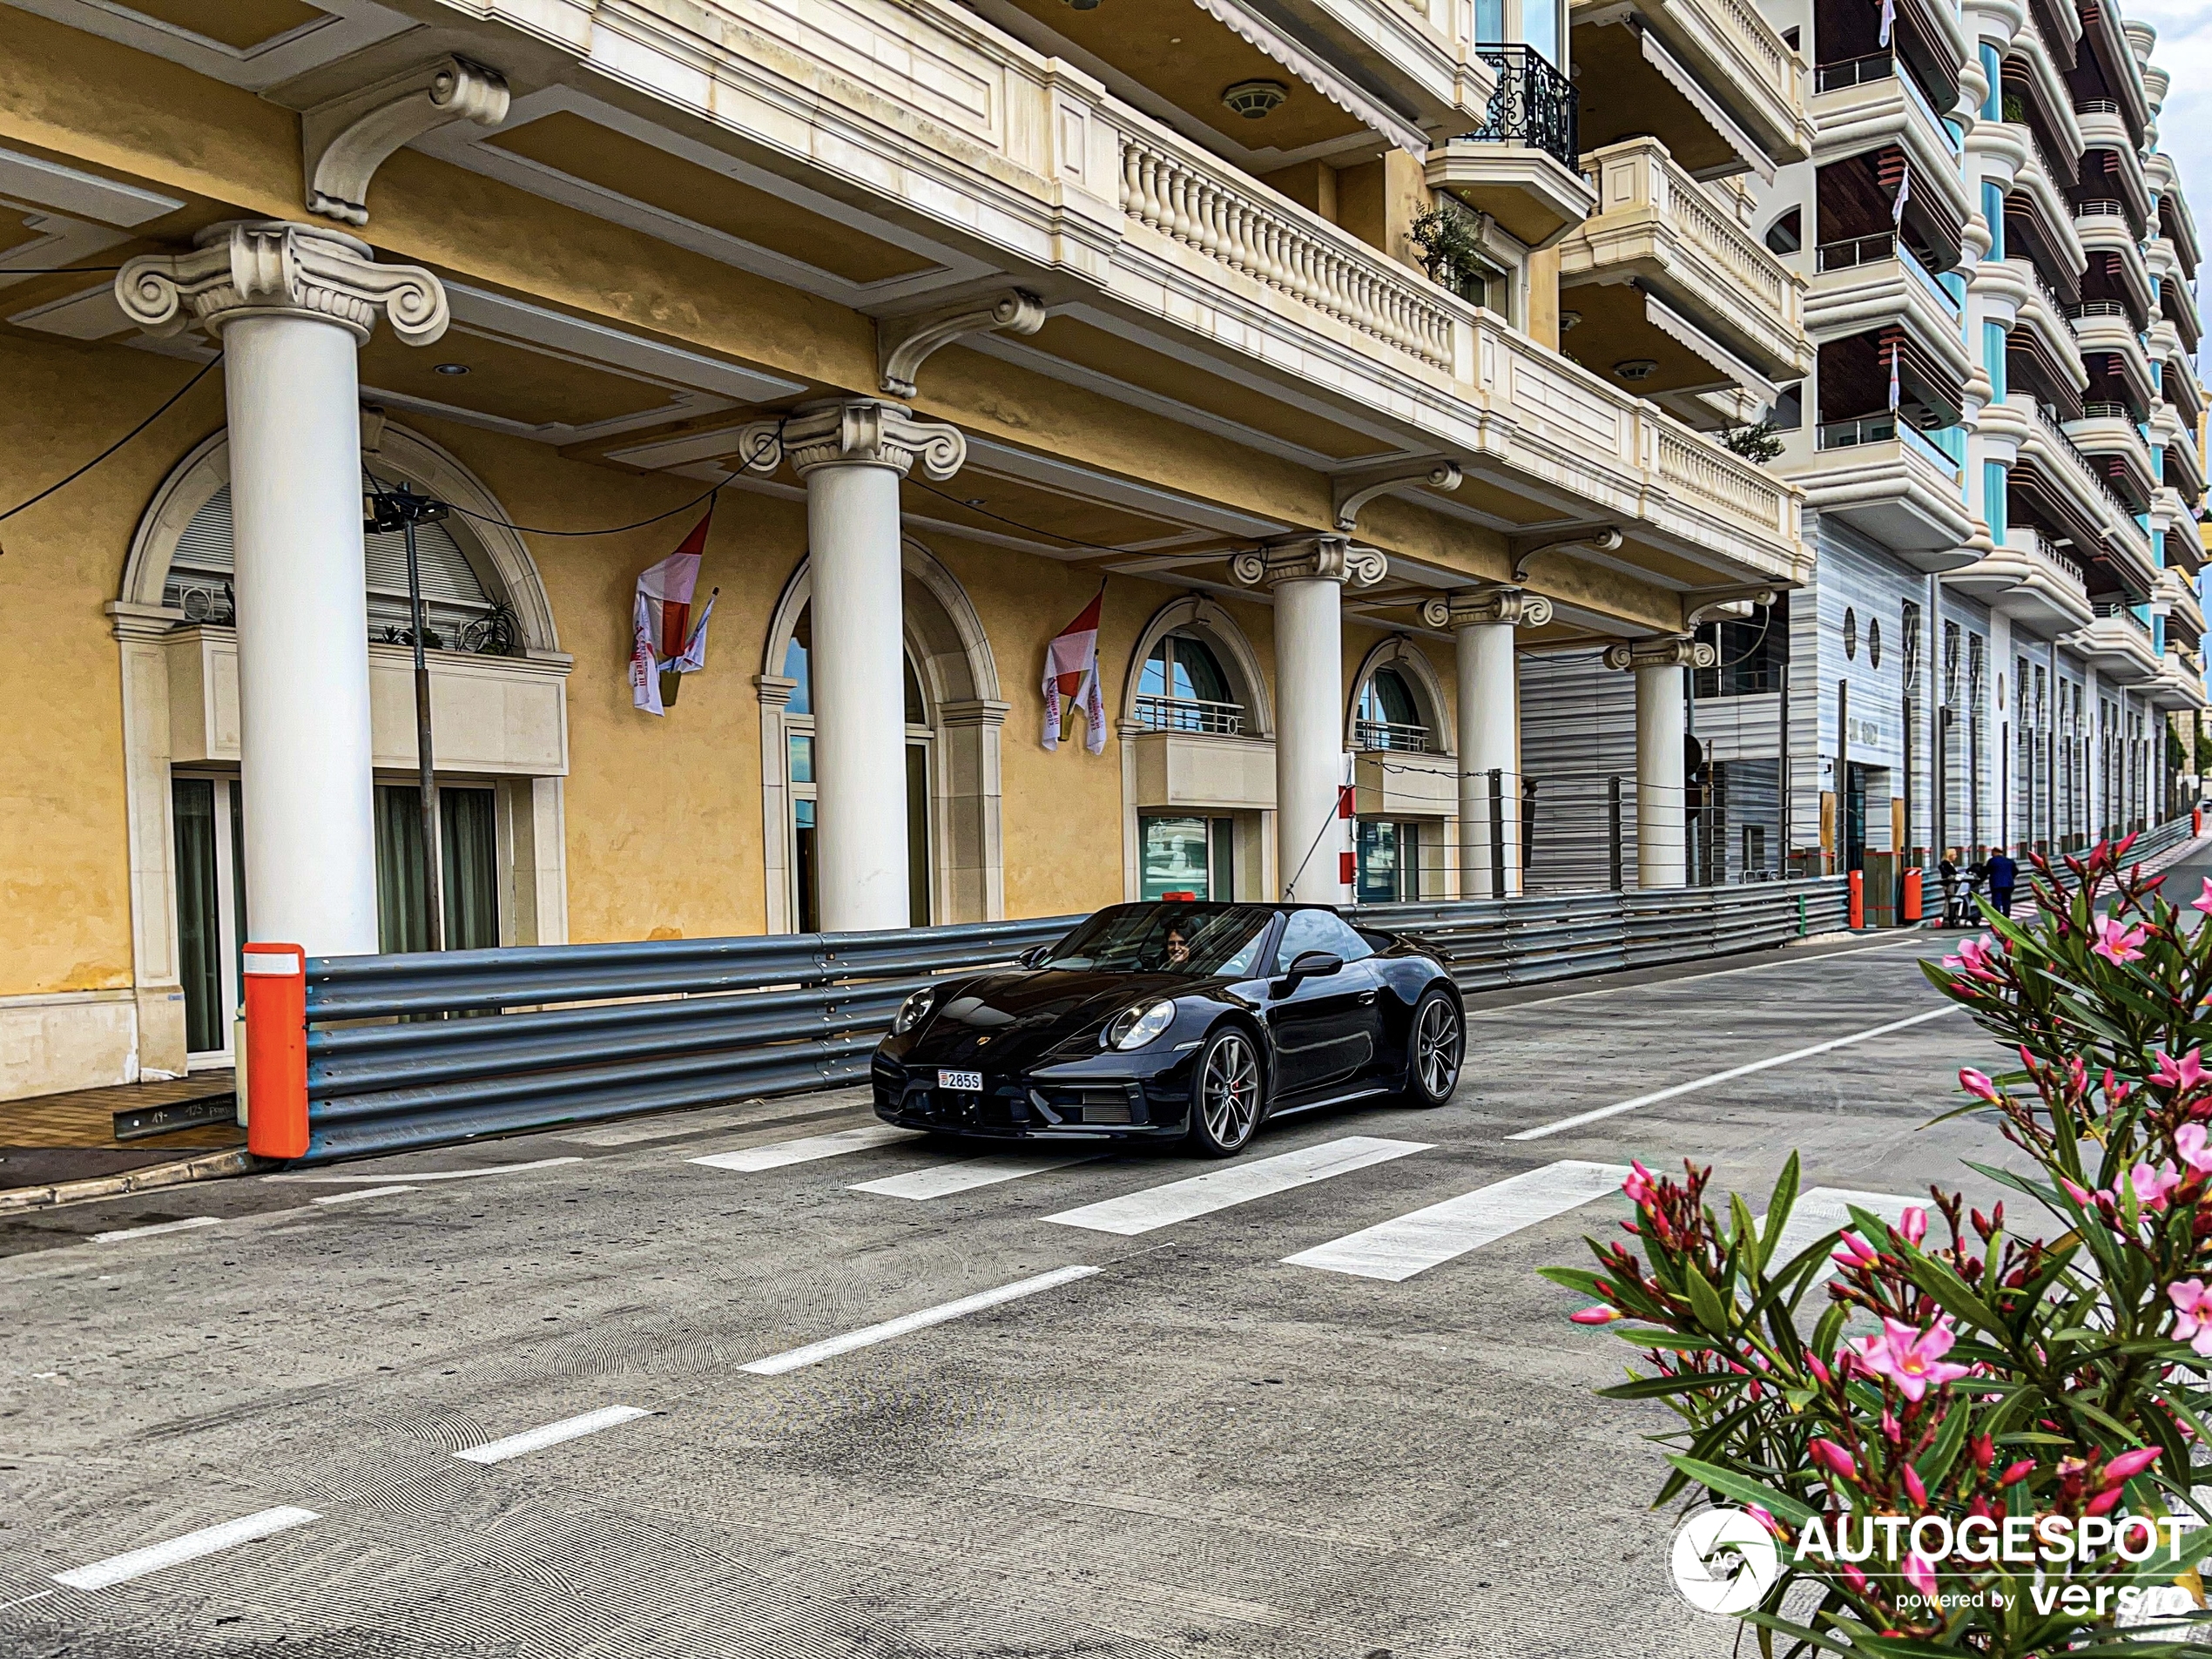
x=168, y=403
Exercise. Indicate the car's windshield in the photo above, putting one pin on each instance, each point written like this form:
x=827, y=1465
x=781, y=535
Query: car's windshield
x=1198, y=940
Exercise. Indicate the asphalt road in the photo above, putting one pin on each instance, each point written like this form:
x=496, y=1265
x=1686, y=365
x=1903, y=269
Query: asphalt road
x=1196, y=1446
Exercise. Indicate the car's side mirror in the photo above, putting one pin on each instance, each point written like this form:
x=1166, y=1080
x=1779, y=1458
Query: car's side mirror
x=1314, y=964
x=1035, y=957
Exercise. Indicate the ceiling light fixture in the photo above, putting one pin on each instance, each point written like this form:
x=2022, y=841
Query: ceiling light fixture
x=1635, y=368
x=450, y=368
x=1253, y=99
x=1568, y=319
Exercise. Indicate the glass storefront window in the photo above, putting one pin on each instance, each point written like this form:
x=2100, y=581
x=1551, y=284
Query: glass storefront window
x=1174, y=857
x=1388, y=868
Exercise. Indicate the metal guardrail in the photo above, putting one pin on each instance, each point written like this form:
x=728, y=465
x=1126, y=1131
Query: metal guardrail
x=418, y=1050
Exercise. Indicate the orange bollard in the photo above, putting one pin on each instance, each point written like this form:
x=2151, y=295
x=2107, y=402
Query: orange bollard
x=1858, y=900
x=2196, y=820
x=276, y=1051
x=1911, y=911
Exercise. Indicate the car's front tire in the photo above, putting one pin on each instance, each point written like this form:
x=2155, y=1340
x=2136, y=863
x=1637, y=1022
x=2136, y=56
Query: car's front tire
x=1436, y=1049
x=1227, y=1094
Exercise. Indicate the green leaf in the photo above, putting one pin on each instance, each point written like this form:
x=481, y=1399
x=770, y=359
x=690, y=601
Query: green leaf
x=1778, y=1206
x=1743, y=1489
x=1704, y=1300
x=1936, y=1461
x=1652, y=1387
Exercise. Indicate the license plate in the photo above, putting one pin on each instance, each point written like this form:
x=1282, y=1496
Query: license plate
x=968, y=1083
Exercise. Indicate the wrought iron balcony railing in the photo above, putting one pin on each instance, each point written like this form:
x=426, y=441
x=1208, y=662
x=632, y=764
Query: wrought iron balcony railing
x=1192, y=714
x=1383, y=734
x=1535, y=105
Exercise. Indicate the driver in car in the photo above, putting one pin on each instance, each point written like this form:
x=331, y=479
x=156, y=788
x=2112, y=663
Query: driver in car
x=1178, y=945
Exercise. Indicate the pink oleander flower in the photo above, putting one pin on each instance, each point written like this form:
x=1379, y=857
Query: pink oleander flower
x=1759, y=1515
x=1912, y=1225
x=2193, y=1314
x=2152, y=1186
x=2016, y=1472
x=1813, y=1364
x=1639, y=1187
x=2189, y=1141
x=2203, y=901
x=2129, y=1465
x=1977, y=958
x=2080, y=1195
x=1854, y=1250
x=1914, y=1487
x=1919, y=1572
x=1598, y=1315
x=1912, y=1359
x=1977, y=1084
x=2104, y=1503
x=1853, y=1577
x=1833, y=1458
x=2185, y=1073
x=2118, y=943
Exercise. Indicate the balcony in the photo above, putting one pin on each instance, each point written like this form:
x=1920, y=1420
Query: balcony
x=1522, y=166
x=1863, y=103
x=1656, y=232
x=2103, y=128
x=1208, y=770
x=2028, y=580
x=2118, y=644
x=1873, y=282
x=1881, y=476
x=2184, y=467
x=1406, y=786
x=1191, y=714
x=2180, y=684
x=2103, y=326
x=2068, y=491
x=1386, y=734
x=1720, y=57
x=2102, y=227
x=2107, y=435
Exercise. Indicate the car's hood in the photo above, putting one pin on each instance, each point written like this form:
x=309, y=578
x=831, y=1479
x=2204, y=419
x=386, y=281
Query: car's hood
x=1007, y=1020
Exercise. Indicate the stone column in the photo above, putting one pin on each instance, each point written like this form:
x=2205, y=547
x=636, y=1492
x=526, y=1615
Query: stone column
x=292, y=304
x=852, y=453
x=1307, y=576
x=1483, y=624
x=1662, y=797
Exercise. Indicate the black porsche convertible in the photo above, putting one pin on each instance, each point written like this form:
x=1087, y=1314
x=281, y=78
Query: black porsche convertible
x=1174, y=1021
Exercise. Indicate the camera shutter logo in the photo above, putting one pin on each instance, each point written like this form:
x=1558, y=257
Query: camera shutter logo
x=1724, y=1560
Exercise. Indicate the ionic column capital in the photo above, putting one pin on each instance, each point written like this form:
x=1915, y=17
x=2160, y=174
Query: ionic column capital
x=1309, y=559
x=854, y=432
x=1662, y=650
x=1480, y=607
x=275, y=268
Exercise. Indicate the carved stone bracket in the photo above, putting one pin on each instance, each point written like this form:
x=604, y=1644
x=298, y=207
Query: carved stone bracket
x=1711, y=604
x=1476, y=607
x=1598, y=538
x=272, y=268
x=1354, y=490
x=854, y=432
x=1308, y=558
x=1662, y=650
x=345, y=141
x=903, y=343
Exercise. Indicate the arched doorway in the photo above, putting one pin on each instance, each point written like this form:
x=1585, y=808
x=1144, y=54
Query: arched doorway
x=954, y=713
x=493, y=647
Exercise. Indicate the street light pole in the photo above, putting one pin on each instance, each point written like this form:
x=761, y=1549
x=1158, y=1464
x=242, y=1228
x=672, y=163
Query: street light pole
x=403, y=510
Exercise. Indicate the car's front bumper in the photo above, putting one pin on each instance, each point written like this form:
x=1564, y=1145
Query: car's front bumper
x=1062, y=1103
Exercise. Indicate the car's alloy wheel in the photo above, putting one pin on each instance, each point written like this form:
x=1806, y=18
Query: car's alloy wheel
x=1438, y=1040
x=1225, y=1094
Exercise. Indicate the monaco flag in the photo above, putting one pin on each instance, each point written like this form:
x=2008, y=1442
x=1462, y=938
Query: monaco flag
x=661, y=624
x=1071, y=670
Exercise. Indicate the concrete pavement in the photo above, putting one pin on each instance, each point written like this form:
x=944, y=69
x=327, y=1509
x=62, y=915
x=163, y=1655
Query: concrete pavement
x=1200, y=1447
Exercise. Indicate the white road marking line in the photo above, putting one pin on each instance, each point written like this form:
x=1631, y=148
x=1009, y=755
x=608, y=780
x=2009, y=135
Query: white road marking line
x=424, y=1175
x=777, y=1364
x=185, y=1225
x=35, y=1596
x=777, y=1154
x=208, y=1541
x=659, y=1129
x=1821, y=1210
x=1398, y=1249
x=964, y=1175
x=356, y=1197
x=1162, y=1206
x=1656, y=1095
x=569, y=1428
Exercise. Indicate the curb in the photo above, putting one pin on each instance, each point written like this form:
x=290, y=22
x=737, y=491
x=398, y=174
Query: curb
x=213, y=1166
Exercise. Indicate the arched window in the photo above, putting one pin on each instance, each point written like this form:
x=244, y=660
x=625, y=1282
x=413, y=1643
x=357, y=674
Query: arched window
x=1182, y=687
x=799, y=745
x=1389, y=716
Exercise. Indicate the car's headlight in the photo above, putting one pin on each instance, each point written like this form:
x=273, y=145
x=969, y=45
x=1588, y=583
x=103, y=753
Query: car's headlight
x=913, y=1011
x=1137, y=1027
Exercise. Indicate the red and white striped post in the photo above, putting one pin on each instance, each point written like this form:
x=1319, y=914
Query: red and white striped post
x=276, y=1050
x=1347, y=874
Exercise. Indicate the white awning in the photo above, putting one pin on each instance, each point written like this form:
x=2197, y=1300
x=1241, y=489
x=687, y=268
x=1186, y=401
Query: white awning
x=1722, y=122
x=1318, y=75
x=1672, y=323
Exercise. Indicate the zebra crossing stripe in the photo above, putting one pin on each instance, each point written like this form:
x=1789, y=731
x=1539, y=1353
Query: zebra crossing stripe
x=965, y=1175
x=806, y=1150
x=1398, y=1249
x=1156, y=1207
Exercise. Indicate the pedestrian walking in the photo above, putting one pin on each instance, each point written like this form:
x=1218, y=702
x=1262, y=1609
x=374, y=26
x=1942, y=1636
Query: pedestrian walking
x=1977, y=878
x=2004, y=874
x=1947, y=874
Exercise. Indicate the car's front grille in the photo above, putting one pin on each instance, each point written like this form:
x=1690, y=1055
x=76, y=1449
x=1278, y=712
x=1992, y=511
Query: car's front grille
x=1106, y=1103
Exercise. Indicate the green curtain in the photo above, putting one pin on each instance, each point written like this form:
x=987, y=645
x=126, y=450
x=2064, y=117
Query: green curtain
x=200, y=932
x=469, y=849
x=402, y=920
